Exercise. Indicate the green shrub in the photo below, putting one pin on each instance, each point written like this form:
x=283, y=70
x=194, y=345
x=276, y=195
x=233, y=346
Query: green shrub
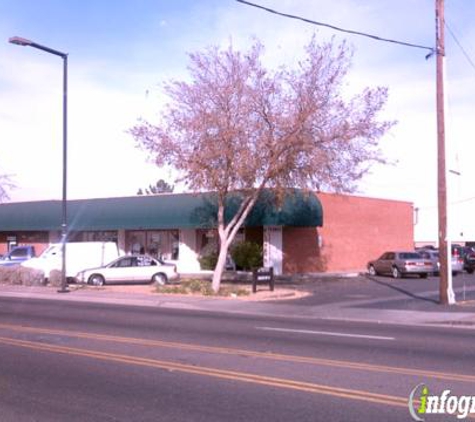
x=174, y=289
x=247, y=255
x=203, y=287
x=198, y=286
x=208, y=262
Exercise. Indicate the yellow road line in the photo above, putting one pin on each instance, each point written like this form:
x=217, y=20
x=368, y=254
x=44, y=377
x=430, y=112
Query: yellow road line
x=216, y=373
x=248, y=353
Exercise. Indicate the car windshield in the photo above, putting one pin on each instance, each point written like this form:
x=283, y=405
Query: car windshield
x=429, y=254
x=19, y=253
x=50, y=250
x=409, y=255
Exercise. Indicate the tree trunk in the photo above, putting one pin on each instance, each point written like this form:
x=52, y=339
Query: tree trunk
x=220, y=267
x=227, y=234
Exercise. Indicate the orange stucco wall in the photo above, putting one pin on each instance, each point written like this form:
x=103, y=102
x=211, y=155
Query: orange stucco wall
x=355, y=230
x=39, y=240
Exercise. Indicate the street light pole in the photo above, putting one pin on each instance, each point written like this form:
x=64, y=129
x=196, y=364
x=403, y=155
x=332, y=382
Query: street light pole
x=64, y=209
x=64, y=201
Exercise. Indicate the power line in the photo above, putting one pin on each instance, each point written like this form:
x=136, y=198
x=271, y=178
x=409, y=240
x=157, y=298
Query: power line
x=457, y=202
x=462, y=201
x=459, y=45
x=336, y=28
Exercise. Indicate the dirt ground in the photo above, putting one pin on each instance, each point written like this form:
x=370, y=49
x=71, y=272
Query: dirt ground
x=263, y=293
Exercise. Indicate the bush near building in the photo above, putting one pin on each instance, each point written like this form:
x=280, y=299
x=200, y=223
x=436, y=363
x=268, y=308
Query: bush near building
x=247, y=255
x=208, y=262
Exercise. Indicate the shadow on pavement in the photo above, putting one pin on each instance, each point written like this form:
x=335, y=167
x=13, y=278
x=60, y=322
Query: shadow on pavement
x=403, y=291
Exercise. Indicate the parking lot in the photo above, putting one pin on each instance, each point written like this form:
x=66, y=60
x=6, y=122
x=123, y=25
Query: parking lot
x=384, y=292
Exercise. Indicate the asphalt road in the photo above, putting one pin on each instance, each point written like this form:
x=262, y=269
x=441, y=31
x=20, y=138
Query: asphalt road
x=95, y=362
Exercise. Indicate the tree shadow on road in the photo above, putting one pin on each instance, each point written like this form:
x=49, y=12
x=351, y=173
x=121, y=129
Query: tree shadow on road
x=403, y=291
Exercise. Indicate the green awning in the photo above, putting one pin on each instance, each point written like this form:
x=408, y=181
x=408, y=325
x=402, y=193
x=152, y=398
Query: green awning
x=295, y=209
x=166, y=211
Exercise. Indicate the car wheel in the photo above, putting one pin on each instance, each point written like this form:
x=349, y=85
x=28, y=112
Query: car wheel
x=96, y=280
x=470, y=270
x=395, y=272
x=372, y=270
x=423, y=275
x=160, y=279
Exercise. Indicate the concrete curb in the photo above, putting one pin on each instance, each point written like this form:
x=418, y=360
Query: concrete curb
x=345, y=311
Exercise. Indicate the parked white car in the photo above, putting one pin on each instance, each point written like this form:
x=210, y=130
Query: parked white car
x=130, y=269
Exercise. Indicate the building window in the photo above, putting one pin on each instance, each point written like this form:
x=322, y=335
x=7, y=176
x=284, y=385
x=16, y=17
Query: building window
x=157, y=243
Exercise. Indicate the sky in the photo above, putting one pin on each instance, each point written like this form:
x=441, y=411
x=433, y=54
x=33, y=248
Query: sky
x=121, y=52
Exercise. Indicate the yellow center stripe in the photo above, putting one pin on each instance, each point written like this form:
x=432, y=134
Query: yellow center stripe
x=217, y=373
x=248, y=353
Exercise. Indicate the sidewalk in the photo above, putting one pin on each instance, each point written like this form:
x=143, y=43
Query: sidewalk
x=280, y=303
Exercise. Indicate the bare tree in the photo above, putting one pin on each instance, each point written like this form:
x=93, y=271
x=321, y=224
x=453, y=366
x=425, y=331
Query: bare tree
x=6, y=185
x=237, y=126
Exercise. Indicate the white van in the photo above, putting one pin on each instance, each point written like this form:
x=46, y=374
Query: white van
x=79, y=256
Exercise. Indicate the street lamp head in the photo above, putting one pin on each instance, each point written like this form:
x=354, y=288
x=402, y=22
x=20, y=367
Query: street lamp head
x=29, y=43
x=20, y=41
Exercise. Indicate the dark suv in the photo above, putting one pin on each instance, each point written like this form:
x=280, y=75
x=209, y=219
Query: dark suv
x=469, y=261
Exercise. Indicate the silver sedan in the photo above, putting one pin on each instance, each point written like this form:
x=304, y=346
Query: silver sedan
x=433, y=256
x=400, y=263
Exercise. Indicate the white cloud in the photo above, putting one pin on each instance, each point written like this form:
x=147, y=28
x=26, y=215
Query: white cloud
x=102, y=158
x=106, y=97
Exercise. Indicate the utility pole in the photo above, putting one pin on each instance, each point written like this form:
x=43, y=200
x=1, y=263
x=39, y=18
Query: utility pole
x=446, y=294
